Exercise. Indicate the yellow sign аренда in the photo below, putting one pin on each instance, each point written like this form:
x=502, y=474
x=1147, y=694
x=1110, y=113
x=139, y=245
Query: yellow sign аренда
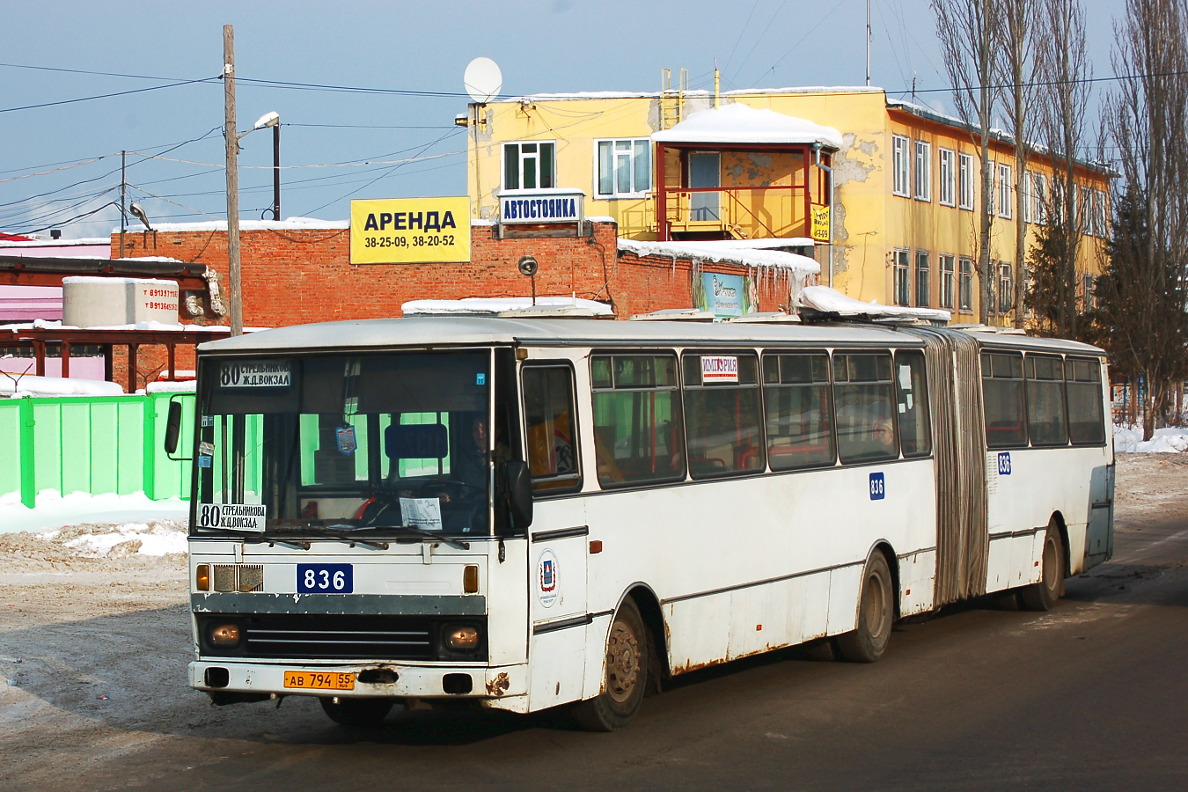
x=410, y=230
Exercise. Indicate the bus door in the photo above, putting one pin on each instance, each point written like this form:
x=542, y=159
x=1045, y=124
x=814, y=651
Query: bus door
x=558, y=542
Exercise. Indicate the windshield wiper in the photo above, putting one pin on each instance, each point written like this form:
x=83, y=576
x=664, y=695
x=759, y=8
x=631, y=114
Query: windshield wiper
x=434, y=535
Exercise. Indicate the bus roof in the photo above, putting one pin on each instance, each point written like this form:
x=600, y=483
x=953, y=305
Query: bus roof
x=420, y=332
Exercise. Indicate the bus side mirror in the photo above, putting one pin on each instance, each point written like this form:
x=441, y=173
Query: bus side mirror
x=173, y=427
x=517, y=488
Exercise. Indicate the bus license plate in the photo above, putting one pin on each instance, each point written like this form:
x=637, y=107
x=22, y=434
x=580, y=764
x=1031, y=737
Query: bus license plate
x=319, y=680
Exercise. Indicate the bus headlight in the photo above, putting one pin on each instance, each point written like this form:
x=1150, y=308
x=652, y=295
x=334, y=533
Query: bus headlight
x=224, y=634
x=461, y=638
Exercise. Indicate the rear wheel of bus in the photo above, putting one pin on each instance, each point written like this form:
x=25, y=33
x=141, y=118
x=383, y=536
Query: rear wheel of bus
x=1043, y=595
x=624, y=677
x=876, y=615
x=356, y=712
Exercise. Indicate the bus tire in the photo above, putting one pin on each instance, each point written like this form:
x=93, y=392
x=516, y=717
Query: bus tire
x=876, y=615
x=624, y=677
x=357, y=712
x=1043, y=596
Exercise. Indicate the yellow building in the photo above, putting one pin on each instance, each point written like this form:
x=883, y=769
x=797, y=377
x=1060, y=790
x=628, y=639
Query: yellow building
x=887, y=189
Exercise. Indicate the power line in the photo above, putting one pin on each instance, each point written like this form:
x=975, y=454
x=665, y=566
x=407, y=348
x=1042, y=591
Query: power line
x=106, y=96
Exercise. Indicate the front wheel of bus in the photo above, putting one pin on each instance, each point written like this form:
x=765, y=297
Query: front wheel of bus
x=876, y=615
x=357, y=712
x=625, y=675
x=1042, y=596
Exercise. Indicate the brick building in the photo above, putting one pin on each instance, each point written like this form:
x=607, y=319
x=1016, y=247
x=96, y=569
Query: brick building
x=294, y=273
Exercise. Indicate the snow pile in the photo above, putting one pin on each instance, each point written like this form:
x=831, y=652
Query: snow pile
x=1171, y=440
x=158, y=538
x=54, y=511
x=29, y=385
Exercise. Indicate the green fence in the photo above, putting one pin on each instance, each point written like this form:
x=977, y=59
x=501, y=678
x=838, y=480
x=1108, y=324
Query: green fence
x=98, y=444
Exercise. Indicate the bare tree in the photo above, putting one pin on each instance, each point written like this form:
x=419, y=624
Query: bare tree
x=967, y=32
x=1016, y=50
x=1148, y=118
x=1064, y=75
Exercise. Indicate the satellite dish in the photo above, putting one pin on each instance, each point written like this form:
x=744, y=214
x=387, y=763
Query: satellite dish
x=528, y=266
x=483, y=80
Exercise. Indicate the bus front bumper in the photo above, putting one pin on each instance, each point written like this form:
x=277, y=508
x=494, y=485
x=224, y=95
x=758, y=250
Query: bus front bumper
x=246, y=680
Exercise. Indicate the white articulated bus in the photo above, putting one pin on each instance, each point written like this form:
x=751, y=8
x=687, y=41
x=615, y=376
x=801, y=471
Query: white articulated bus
x=523, y=513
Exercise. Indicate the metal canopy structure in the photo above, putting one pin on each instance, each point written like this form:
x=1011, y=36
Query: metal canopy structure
x=39, y=338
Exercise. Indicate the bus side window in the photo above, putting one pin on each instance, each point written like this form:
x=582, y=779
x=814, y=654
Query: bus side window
x=1002, y=393
x=1086, y=424
x=1046, y=421
x=637, y=415
x=863, y=404
x=915, y=437
x=551, y=428
x=797, y=410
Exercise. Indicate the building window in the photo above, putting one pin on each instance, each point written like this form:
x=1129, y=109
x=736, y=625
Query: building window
x=900, y=168
x=923, y=290
x=624, y=168
x=1039, y=194
x=965, y=180
x=1025, y=183
x=923, y=171
x=1004, y=191
x=1087, y=292
x=529, y=166
x=1085, y=206
x=946, y=295
x=965, y=287
x=946, y=177
x=1101, y=224
x=1006, y=288
x=902, y=284
x=1056, y=201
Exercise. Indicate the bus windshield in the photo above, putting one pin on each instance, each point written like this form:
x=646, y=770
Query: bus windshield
x=350, y=443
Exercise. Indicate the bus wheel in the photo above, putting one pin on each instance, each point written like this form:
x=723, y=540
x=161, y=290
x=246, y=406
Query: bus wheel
x=625, y=677
x=876, y=614
x=357, y=712
x=1042, y=596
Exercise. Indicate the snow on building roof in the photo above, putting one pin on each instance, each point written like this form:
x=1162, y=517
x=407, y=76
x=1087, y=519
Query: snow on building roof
x=728, y=251
x=740, y=123
x=29, y=385
x=492, y=306
x=830, y=301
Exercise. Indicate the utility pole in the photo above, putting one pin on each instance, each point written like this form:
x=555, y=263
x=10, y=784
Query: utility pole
x=234, y=292
x=123, y=198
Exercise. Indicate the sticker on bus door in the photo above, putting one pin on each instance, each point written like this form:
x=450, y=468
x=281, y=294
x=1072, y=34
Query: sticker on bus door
x=1004, y=463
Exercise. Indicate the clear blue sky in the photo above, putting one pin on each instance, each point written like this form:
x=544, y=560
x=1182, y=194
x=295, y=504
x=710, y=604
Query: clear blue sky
x=339, y=145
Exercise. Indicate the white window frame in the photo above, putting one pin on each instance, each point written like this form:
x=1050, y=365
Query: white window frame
x=901, y=286
x=923, y=182
x=1039, y=194
x=1006, y=287
x=900, y=166
x=1003, y=190
x=922, y=279
x=948, y=263
x=623, y=150
x=946, y=174
x=1025, y=186
x=965, y=284
x=521, y=158
x=965, y=181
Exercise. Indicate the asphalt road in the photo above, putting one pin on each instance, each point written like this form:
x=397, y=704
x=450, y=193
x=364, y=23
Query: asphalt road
x=1092, y=695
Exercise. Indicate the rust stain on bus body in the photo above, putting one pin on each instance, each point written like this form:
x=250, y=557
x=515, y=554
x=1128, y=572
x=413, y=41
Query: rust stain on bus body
x=499, y=685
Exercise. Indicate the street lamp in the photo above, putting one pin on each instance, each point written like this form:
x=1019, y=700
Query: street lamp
x=272, y=119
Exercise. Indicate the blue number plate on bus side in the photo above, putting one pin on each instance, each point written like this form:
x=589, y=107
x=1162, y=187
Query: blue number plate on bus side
x=325, y=579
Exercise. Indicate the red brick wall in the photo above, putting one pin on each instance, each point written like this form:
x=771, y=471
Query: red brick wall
x=296, y=276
